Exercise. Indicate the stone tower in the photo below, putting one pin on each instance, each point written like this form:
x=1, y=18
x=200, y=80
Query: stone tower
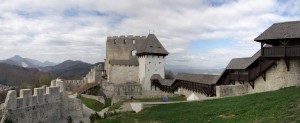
x=151, y=57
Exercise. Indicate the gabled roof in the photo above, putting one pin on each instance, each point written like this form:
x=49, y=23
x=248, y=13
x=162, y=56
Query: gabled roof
x=243, y=63
x=151, y=46
x=284, y=30
x=198, y=78
x=195, y=78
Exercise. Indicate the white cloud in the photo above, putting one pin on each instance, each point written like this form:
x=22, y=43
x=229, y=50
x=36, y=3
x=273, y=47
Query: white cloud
x=57, y=30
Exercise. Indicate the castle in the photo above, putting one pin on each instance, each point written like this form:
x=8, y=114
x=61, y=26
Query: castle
x=134, y=59
x=276, y=65
x=134, y=67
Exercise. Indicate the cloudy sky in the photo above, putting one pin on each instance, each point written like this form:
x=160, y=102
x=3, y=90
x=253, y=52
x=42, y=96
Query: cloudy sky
x=199, y=34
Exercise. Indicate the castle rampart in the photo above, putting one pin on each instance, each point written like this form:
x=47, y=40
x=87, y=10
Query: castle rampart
x=47, y=105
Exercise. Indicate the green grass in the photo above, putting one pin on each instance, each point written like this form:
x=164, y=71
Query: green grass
x=276, y=106
x=107, y=103
x=92, y=104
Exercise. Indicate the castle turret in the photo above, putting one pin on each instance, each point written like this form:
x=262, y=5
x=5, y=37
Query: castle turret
x=151, y=57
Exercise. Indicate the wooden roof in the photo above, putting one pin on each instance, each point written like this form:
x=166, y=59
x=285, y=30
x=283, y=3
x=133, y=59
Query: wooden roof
x=284, y=30
x=151, y=46
x=243, y=63
x=194, y=78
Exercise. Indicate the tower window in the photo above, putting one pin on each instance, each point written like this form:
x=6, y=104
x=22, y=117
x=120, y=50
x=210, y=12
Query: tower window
x=124, y=41
x=133, y=52
x=133, y=41
x=115, y=40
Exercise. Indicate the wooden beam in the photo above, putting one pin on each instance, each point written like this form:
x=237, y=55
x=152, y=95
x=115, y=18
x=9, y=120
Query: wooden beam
x=263, y=75
x=251, y=83
x=287, y=63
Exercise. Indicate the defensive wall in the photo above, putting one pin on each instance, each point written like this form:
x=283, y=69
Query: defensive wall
x=131, y=90
x=47, y=105
x=94, y=75
x=276, y=77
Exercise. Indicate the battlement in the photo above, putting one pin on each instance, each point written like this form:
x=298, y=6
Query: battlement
x=42, y=95
x=127, y=37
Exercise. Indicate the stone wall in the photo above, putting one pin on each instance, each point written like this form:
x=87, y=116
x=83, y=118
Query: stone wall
x=278, y=77
x=187, y=93
x=231, y=90
x=120, y=48
x=94, y=75
x=46, y=105
x=123, y=73
x=73, y=84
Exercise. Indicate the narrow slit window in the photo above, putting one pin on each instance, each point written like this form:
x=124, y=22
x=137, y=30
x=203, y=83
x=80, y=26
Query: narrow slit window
x=133, y=41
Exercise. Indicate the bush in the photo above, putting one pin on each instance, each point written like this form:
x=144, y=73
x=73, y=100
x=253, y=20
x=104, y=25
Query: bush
x=69, y=119
x=8, y=120
x=95, y=117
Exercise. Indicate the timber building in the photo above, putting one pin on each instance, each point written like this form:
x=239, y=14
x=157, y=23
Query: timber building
x=274, y=66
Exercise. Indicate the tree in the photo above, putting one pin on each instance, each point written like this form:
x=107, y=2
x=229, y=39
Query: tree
x=169, y=74
x=8, y=120
x=69, y=119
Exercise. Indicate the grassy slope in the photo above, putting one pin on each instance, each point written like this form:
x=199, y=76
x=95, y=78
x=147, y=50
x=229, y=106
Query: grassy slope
x=276, y=106
x=92, y=104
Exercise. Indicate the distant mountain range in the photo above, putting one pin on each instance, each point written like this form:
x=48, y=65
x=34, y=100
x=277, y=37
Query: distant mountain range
x=26, y=62
x=14, y=75
x=68, y=69
x=16, y=70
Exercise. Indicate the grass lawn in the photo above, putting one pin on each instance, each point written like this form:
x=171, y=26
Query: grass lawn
x=276, y=106
x=92, y=104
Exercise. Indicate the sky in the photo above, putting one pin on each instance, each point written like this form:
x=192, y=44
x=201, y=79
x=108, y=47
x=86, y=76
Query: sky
x=199, y=34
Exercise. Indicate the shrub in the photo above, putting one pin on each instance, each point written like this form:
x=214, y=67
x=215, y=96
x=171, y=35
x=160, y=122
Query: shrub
x=69, y=119
x=8, y=120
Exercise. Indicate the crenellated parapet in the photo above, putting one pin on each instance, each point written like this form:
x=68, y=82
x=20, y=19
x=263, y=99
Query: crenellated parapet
x=44, y=104
x=40, y=96
x=126, y=37
x=94, y=75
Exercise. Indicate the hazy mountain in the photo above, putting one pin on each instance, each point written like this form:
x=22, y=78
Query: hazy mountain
x=26, y=62
x=14, y=75
x=23, y=62
x=48, y=63
x=68, y=69
x=10, y=62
